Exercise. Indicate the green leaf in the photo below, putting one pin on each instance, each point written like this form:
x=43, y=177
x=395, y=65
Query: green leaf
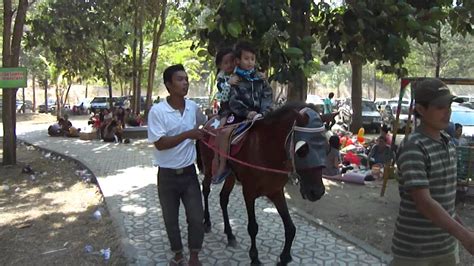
x=294, y=52
x=222, y=28
x=234, y=28
x=202, y=53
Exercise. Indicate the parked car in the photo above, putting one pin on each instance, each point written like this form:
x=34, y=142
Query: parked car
x=465, y=117
x=371, y=118
x=466, y=98
x=99, y=103
x=51, y=106
x=468, y=105
x=381, y=103
x=82, y=106
x=24, y=106
x=317, y=101
x=119, y=101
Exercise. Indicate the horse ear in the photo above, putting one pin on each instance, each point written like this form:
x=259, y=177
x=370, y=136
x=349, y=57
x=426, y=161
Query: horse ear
x=302, y=119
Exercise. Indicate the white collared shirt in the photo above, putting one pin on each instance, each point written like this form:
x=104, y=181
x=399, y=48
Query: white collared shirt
x=163, y=120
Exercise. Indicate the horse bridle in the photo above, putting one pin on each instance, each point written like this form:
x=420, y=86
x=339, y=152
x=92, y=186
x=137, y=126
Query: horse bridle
x=293, y=147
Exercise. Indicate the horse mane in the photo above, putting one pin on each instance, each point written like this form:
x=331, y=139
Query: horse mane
x=284, y=110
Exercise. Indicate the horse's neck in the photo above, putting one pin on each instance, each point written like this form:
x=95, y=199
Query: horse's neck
x=282, y=127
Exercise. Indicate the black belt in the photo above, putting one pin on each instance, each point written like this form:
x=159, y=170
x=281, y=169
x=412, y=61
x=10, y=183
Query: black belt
x=190, y=169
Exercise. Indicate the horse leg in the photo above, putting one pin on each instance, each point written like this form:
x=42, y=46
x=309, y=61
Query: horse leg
x=252, y=228
x=280, y=203
x=224, y=201
x=206, y=189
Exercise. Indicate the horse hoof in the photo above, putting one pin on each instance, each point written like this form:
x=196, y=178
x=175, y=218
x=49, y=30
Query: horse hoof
x=285, y=261
x=256, y=263
x=232, y=243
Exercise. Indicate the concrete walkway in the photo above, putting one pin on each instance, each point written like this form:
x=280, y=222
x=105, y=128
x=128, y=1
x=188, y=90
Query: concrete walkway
x=128, y=182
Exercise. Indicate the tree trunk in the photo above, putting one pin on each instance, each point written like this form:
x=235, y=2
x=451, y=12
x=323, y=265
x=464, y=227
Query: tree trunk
x=59, y=112
x=356, y=66
x=33, y=108
x=10, y=58
x=134, y=58
x=23, y=107
x=67, y=92
x=438, y=53
x=375, y=83
x=46, y=94
x=157, y=32
x=299, y=25
x=107, y=72
x=138, y=94
x=87, y=85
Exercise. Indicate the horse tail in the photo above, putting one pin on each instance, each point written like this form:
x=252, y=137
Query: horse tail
x=198, y=156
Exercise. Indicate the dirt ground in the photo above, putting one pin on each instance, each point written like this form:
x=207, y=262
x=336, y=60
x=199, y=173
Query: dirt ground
x=34, y=118
x=48, y=219
x=361, y=212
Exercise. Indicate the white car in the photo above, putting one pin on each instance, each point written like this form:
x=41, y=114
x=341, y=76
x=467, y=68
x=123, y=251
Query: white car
x=82, y=106
x=317, y=101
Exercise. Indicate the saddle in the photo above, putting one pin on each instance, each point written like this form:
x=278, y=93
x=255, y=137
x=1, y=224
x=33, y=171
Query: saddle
x=237, y=137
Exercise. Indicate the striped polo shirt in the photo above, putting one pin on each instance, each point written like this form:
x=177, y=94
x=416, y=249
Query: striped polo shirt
x=424, y=162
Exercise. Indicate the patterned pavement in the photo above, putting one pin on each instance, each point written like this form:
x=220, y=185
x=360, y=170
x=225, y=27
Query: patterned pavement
x=128, y=182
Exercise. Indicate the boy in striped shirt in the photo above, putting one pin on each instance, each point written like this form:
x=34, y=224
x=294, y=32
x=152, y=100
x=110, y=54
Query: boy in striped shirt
x=427, y=227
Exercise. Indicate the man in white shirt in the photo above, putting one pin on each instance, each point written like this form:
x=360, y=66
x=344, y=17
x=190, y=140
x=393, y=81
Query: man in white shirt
x=173, y=129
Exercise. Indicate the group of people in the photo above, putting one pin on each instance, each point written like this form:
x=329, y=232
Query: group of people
x=427, y=226
x=109, y=123
x=63, y=128
x=244, y=94
x=367, y=155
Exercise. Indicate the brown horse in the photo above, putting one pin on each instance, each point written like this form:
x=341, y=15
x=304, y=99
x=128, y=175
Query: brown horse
x=288, y=140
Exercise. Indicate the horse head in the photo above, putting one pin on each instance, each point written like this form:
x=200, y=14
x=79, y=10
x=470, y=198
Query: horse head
x=307, y=147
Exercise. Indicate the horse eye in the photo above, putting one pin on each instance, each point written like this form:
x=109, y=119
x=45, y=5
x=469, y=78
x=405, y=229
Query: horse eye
x=303, y=151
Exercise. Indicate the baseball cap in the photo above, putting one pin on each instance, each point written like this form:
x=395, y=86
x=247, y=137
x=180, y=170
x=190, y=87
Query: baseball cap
x=433, y=91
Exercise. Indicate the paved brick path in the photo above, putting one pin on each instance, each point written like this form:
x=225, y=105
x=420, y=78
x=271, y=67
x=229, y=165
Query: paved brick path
x=128, y=181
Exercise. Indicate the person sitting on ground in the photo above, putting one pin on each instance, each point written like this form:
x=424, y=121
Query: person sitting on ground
x=385, y=132
x=55, y=129
x=120, y=116
x=112, y=132
x=67, y=129
x=333, y=157
x=108, y=116
x=251, y=98
x=139, y=119
x=131, y=118
x=380, y=153
x=65, y=124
